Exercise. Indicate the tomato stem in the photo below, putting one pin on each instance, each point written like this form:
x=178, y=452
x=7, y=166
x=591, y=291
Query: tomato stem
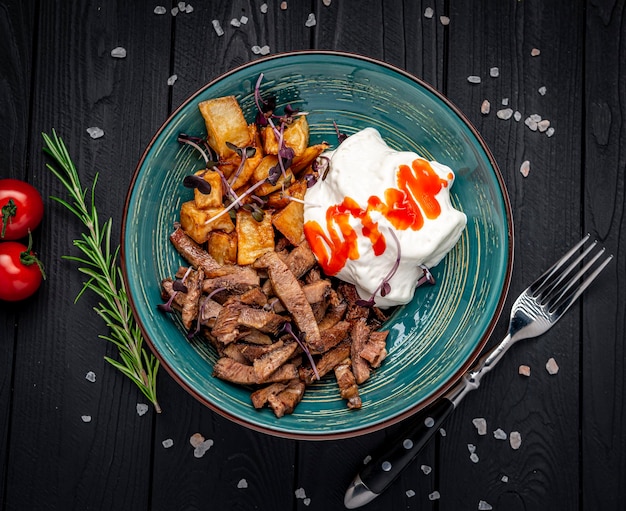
x=9, y=210
x=28, y=258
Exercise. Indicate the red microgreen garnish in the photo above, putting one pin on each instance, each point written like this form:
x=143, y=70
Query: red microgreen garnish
x=177, y=287
x=286, y=329
x=340, y=136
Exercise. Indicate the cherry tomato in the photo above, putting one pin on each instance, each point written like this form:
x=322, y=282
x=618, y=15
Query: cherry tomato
x=20, y=271
x=22, y=209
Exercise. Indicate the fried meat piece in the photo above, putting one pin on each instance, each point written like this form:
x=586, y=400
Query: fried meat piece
x=235, y=283
x=333, y=336
x=327, y=362
x=272, y=360
x=191, y=299
x=347, y=384
x=375, y=348
x=286, y=400
x=359, y=335
x=261, y=396
x=226, y=328
x=230, y=370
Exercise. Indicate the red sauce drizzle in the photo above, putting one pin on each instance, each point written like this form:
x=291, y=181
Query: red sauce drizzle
x=403, y=207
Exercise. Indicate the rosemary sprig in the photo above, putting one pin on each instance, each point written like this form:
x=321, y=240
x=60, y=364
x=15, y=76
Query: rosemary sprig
x=105, y=278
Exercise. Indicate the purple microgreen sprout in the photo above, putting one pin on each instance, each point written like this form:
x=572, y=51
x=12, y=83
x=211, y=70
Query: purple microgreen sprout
x=310, y=180
x=244, y=153
x=426, y=277
x=167, y=306
x=179, y=286
x=198, y=144
x=322, y=165
x=385, y=287
x=201, y=311
x=257, y=213
x=286, y=329
x=237, y=200
x=265, y=107
x=195, y=181
x=340, y=136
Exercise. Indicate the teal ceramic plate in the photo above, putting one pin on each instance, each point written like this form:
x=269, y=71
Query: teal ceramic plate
x=434, y=339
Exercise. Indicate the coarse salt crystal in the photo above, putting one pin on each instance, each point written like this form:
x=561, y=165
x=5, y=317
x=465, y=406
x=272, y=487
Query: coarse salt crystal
x=504, y=479
x=189, y=9
x=174, y=11
x=326, y=2
x=263, y=8
x=531, y=123
x=535, y=117
x=159, y=9
x=283, y=6
x=515, y=439
x=473, y=79
x=181, y=6
x=485, y=107
x=429, y=422
x=243, y=20
x=265, y=50
x=543, y=125
x=118, y=53
x=499, y=434
x=95, y=132
x=86, y=418
x=524, y=370
x=484, y=506
x=167, y=443
x=310, y=21
x=196, y=439
x=306, y=501
x=217, y=27
x=442, y=432
x=300, y=493
x=524, y=170
x=172, y=79
x=242, y=483
x=90, y=376
x=505, y=113
x=481, y=425
x=535, y=52
x=542, y=90
x=550, y=131
x=474, y=457
x=142, y=409
x=434, y=495
x=410, y=493
x=517, y=116
x=471, y=448
x=256, y=49
x=367, y=459
x=427, y=469
x=235, y=22
x=444, y=20
x=428, y=12
x=494, y=72
x=201, y=449
x=551, y=366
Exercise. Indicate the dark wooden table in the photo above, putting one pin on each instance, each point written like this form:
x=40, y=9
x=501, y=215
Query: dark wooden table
x=56, y=71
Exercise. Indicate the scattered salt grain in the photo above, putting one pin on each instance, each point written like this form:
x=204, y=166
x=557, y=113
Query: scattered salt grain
x=167, y=443
x=485, y=108
x=535, y=52
x=172, y=79
x=410, y=493
x=243, y=20
x=306, y=501
x=517, y=116
x=532, y=124
x=484, y=506
x=473, y=79
x=300, y=493
x=263, y=8
x=524, y=170
x=550, y=131
x=90, y=376
x=235, y=22
x=118, y=53
x=201, y=449
x=434, y=495
x=86, y=418
x=481, y=425
x=326, y=2
x=542, y=90
x=543, y=125
x=442, y=432
x=142, y=409
x=499, y=434
x=474, y=457
x=260, y=50
x=367, y=459
x=505, y=114
x=524, y=370
x=196, y=439
x=428, y=12
x=429, y=422
x=95, y=132
x=174, y=11
x=494, y=72
x=515, y=439
x=444, y=20
x=504, y=479
x=189, y=9
x=242, y=483
x=310, y=21
x=471, y=448
x=551, y=366
x=426, y=469
x=283, y=6
x=159, y=9
x=182, y=6
x=217, y=27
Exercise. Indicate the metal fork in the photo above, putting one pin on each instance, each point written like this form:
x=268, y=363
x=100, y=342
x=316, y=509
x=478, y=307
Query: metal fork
x=534, y=312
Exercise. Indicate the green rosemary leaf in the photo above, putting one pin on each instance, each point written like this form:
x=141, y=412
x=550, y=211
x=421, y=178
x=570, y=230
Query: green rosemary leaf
x=100, y=264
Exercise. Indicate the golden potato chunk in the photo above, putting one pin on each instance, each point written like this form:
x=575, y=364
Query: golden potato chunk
x=253, y=238
x=305, y=159
x=213, y=199
x=224, y=122
x=262, y=171
x=223, y=247
x=296, y=136
x=289, y=221
x=197, y=222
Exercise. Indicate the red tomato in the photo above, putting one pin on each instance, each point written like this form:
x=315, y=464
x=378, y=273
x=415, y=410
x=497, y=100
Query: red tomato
x=22, y=209
x=20, y=271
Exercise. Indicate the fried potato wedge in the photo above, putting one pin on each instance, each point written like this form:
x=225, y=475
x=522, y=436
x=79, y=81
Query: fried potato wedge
x=307, y=157
x=224, y=122
x=213, y=199
x=197, y=223
x=222, y=247
x=295, y=136
x=253, y=238
x=289, y=221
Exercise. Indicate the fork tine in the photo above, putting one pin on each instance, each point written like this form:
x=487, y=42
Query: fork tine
x=537, y=285
x=564, y=301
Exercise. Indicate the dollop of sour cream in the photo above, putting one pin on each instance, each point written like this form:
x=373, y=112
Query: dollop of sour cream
x=378, y=208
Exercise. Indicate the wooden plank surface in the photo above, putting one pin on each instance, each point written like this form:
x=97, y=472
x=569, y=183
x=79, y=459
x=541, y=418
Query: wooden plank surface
x=56, y=71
